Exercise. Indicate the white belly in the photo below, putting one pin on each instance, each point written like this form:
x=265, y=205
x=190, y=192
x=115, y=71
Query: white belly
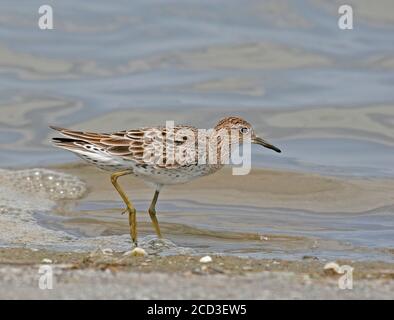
x=179, y=175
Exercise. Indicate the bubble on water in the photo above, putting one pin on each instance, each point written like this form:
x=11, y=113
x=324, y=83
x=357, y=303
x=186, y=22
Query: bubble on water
x=26, y=192
x=154, y=245
x=46, y=183
x=26, y=195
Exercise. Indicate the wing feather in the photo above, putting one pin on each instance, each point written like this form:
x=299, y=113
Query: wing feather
x=139, y=145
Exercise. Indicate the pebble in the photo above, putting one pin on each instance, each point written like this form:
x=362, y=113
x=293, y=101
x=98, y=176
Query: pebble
x=136, y=252
x=45, y=260
x=206, y=259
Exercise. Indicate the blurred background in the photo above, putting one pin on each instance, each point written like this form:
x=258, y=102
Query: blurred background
x=322, y=94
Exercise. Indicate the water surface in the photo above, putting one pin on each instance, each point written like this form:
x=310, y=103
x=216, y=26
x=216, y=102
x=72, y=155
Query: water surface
x=323, y=95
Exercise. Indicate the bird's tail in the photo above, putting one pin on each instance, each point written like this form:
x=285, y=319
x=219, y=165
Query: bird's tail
x=87, y=146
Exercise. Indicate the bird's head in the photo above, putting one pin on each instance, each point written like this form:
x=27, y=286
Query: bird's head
x=245, y=130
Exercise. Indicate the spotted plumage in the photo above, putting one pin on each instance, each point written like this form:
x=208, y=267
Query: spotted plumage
x=158, y=155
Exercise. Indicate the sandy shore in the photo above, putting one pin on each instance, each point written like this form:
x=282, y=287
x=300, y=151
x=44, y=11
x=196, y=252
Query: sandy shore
x=115, y=276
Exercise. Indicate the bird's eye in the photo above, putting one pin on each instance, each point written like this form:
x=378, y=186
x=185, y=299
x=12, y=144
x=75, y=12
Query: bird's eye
x=244, y=130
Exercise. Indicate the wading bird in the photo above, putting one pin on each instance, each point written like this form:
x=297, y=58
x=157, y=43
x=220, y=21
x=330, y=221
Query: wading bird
x=134, y=152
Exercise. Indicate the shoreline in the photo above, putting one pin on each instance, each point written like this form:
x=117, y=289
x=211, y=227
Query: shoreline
x=100, y=275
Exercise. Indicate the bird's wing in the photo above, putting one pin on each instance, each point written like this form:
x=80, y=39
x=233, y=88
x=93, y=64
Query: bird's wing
x=154, y=146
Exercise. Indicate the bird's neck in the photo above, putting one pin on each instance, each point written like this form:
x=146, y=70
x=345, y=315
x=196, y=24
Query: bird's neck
x=219, y=147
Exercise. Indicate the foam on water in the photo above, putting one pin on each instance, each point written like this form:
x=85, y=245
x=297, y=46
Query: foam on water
x=25, y=193
x=47, y=184
x=153, y=245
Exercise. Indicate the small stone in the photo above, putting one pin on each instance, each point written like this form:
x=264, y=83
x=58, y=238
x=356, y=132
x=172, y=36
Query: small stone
x=206, y=259
x=45, y=260
x=138, y=252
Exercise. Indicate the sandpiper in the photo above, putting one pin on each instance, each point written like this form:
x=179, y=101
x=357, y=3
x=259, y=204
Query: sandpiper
x=134, y=152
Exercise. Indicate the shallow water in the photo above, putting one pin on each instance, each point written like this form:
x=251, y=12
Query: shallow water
x=245, y=230
x=323, y=95
x=48, y=209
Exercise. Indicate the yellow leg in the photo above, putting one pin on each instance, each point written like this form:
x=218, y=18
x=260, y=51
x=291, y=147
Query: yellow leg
x=130, y=207
x=152, y=213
